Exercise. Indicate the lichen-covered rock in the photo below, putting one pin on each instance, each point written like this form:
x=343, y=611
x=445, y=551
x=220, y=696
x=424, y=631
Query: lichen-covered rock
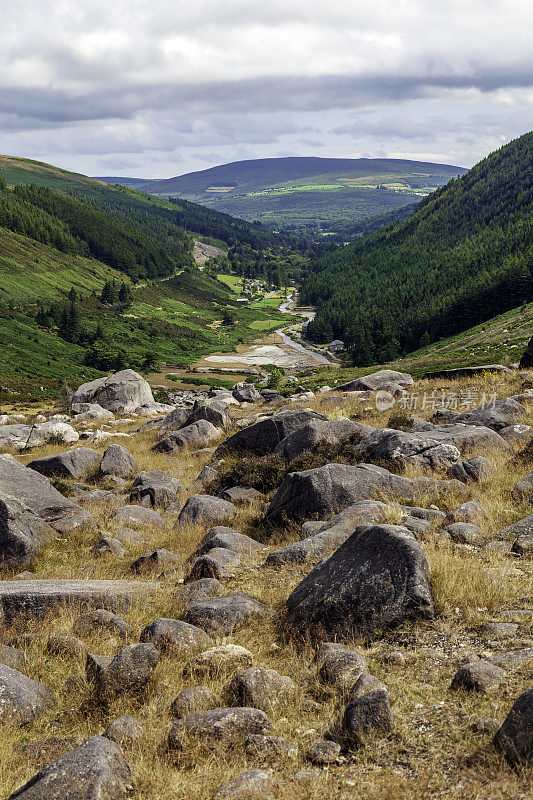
x=123, y=392
x=203, y=508
x=175, y=636
x=223, y=614
x=22, y=533
x=21, y=698
x=155, y=488
x=478, y=676
x=124, y=730
x=196, y=698
x=36, y=492
x=218, y=726
x=76, y=463
x=375, y=580
x=96, y=770
x=128, y=672
x=260, y=688
x=515, y=737
x=118, y=461
x=367, y=717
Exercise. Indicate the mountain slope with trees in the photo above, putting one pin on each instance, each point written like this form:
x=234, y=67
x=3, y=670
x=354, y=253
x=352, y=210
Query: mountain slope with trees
x=462, y=257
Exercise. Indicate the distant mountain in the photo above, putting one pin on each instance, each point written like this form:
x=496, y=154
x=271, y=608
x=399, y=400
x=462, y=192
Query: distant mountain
x=305, y=194
x=135, y=183
x=463, y=256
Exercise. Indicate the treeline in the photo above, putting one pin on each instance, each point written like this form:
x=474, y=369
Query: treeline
x=463, y=256
x=98, y=233
x=231, y=230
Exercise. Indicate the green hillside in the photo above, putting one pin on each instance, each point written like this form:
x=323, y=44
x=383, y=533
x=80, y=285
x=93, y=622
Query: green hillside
x=306, y=195
x=462, y=257
x=94, y=278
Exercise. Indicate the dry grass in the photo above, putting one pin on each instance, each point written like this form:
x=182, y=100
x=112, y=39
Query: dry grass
x=432, y=753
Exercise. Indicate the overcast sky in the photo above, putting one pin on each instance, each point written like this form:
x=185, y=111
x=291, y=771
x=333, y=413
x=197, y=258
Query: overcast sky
x=156, y=88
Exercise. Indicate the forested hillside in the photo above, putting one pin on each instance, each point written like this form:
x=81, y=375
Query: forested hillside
x=464, y=256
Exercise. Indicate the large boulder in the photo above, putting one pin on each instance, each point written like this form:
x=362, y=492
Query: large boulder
x=22, y=437
x=401, y=448
x=34, y=598
x=77, y=463
x=37, y=493
x=118, y=462
x=497, y=415
x=375, y=580
x=264, y=436
x=214, y=411
x=155, y=488
x=22, y=533
x=196, y=435
x=327, y=490
x=205, y=509
x=260, y=688
x=123, y=392
x=21, y=698
x=96, y=770
x=515, y=737
x=177, y=419
x=315, y=433
x=466, y=438
x=246, y=393
x=377, y=380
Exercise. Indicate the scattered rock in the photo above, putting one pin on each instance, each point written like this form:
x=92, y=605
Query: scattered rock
x=156, y=562
x=324, y=752
x=138, y=517
x=21, y=698
x=175, y=636
x=515, y=737
x=254, y=784
x=197, y=698
x=221, y=615
x=241, y=495
x=264, y=436
x=203, y=508
x=155, y=488
x=22, y=533
x=197, y=434
x=268, y=748
x=221, y=659
x=36, y=492
x=217, y=563
x=479, y=676
x=77, y=463
x=218, y=726
x=124, y=730
x=376, y=579
x=118, y=461
x=108, y=544
x=61, y=644
x=128, y=672
x=260, y=688
x=96, y=770
x=339, y=666
x=367, y=717
x=100, y=619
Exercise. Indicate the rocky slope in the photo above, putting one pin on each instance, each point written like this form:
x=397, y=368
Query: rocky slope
x=241, y=594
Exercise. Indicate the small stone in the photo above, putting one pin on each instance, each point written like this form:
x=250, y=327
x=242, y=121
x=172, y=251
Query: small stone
x=124, y=730
x=175, y=636
x=156, y=562
x=486, y=725
x=221, y=725
x=499, y=629
x=221, y=659
x=254, y=783
x=324, y=752
x=99, y=619
x=197, y=698
x=368, y=716
x=108, y=544
x=478, y=676
x=260, y=688
x=62, y=644
x=268, y=748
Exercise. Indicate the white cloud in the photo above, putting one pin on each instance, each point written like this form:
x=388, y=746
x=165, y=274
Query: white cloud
x=214, y=78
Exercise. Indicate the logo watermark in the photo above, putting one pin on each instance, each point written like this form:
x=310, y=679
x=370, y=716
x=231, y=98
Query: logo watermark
x=442, y=400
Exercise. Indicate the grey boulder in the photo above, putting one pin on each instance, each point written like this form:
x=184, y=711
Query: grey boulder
x=264, y=436
x=375, y=381
x=196, y=435
x=375, y=580
x=77, y=463
x=368, y=717
x=221, y=615
x=22, y=437
x=218, y=726
x=122, y=392
x=118, y=461
x=96, y=770
x=22, y=533
x=260, y=688
x=327, y=490
x=37, y=493
x=21, y=698
x=246, y=393
x=315, y=433
x=203, y=508
x=175, y=636
x=128, y=672
x=154, y=488
x=515, y=737
x=254, y=783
